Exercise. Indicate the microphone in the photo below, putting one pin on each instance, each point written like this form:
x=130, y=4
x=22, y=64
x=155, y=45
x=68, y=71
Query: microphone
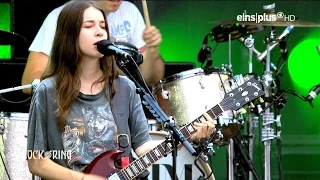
x=284, y=33
x=108, y=48
x=313, y=93
x=283, y=46
x=254, y=50
x=202, y=54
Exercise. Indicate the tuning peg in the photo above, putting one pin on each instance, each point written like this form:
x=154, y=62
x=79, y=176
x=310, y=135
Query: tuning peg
x=261, y=100
x=252, y=105
x=243, y=111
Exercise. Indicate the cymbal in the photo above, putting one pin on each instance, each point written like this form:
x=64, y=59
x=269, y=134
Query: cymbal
x=11, y=38
x=221, y=32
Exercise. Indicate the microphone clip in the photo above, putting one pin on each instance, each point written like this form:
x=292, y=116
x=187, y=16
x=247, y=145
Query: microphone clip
x=283, y=48
x=248, y=42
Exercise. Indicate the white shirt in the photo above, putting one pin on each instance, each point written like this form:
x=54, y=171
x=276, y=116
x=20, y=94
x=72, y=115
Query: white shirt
x=126, y=25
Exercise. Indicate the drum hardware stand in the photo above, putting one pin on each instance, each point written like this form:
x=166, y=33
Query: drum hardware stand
x=229, y=67
x=149, y=102
x=252, y=121
x=2, y=123
x=232, y=160
x=251, y=125
x=268, y=115
x=205, y=149
x=242, y=156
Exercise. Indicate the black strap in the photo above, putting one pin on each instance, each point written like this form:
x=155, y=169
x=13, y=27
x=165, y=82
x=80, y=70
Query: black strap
x=118, y=112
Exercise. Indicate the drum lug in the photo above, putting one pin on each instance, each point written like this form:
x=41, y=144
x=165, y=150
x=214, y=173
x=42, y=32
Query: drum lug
x=165, y=94
x=220, y=134
x=201, y=83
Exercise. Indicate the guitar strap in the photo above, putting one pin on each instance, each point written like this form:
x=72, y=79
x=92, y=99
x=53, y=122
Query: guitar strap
x=119, y=112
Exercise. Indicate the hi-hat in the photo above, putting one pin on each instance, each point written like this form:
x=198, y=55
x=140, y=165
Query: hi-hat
x=221, y=32
x=11, y=38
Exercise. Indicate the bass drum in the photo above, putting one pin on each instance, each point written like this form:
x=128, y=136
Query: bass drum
x=186, y=169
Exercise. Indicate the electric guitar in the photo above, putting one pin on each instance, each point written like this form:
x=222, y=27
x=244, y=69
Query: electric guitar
x=104, y=164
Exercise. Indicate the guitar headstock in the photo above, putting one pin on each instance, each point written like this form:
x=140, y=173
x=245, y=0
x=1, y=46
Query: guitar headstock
x=242, y=95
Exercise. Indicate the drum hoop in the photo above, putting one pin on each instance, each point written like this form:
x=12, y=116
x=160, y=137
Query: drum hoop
x=186, y=74
x=183, y=75
x=205, y=166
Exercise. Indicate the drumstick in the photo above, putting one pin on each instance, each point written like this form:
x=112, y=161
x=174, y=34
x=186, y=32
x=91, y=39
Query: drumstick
x=145, y=12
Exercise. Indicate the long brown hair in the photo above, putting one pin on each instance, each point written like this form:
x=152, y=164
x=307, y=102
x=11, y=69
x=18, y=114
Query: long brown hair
x=64, y=64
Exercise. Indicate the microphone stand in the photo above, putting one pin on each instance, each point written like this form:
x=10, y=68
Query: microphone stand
x=33, y=85
x=158, y=113
x=16, y=88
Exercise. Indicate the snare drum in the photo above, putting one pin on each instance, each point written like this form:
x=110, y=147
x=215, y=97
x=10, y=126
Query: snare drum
x=14, y=148
x=187, y=95
x=186, y=169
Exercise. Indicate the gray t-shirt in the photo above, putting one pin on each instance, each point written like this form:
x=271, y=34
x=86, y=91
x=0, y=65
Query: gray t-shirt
x=90, y=126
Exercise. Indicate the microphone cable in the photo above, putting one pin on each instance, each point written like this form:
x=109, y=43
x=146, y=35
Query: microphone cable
x=141, y=77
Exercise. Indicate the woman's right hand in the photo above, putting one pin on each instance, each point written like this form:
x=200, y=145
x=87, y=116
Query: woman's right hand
x=92, y=177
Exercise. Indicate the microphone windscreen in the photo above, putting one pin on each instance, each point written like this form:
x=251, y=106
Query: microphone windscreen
x=102, y=45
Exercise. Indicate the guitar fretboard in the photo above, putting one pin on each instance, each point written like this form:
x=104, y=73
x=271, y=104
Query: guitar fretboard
x=141, y=164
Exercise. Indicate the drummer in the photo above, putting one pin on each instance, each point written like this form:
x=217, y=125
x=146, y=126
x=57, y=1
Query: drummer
x=120, y=13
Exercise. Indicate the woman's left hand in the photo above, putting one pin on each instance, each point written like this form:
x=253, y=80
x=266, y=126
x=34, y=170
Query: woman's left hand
x=204, y=129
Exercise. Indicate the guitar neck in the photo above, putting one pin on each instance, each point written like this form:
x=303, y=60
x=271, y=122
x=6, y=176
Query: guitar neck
x=141, y=164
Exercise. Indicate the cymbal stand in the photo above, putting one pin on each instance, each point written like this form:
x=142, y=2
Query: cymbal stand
x=230, y=152
x=230, y=64
x=230, y=148
x=252, y=121
x=267, y=116
x=249, y=43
